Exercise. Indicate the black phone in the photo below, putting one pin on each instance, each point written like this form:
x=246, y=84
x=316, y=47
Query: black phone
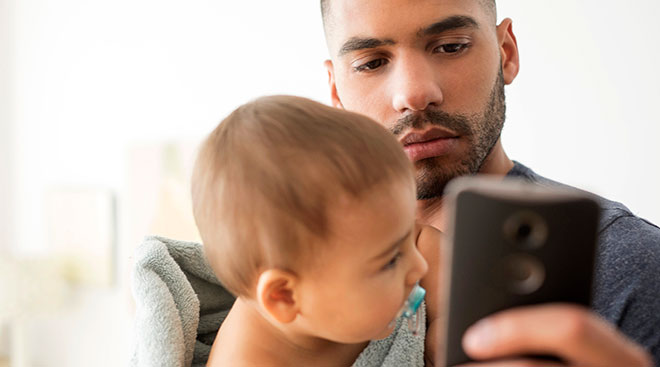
x=513, y=243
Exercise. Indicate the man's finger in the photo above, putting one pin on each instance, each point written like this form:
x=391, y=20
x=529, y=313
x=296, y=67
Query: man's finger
x=569, y=332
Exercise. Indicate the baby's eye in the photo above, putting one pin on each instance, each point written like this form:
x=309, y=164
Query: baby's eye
x=392, y=263
x=371, y=65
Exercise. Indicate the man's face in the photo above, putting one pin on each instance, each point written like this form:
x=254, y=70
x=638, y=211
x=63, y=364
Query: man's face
x=428, y=70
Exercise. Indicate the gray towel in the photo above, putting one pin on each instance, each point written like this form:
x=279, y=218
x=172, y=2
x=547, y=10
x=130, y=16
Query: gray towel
x=180, y=305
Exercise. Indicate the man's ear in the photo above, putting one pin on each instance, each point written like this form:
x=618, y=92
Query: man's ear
x=508, y=50
x=332, y=84
x=276, y=294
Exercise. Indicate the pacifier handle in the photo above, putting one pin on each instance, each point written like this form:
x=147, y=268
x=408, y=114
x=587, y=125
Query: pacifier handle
x=414, y=301
x=411, y=310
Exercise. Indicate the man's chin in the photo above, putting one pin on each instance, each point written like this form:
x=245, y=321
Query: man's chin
x=432, y=175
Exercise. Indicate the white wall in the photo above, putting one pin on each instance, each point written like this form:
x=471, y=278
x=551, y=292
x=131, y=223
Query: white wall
x=6, y=125
x=93, y=78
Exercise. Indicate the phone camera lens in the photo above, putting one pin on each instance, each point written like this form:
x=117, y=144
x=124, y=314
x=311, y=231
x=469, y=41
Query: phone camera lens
x=526, y=229
x=522, y=274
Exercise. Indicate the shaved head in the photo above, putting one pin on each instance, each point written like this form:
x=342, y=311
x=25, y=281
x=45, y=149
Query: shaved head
x=488, y=5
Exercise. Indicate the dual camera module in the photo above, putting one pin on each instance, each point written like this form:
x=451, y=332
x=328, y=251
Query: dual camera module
x=523, y=273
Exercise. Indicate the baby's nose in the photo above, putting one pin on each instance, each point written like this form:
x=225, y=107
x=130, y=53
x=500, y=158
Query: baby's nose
x=418, y=269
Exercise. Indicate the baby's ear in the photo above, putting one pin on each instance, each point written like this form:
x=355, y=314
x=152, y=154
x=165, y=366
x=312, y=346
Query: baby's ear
x=276, y=294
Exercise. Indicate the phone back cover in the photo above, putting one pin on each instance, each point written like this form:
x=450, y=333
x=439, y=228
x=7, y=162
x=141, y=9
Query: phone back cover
x=479, y=246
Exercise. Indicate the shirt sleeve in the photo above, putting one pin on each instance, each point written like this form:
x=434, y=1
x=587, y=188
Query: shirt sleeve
x=627, y=282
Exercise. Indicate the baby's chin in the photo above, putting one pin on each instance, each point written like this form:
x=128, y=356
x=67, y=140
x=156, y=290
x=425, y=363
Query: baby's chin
x=389, y=328
x=366, y=335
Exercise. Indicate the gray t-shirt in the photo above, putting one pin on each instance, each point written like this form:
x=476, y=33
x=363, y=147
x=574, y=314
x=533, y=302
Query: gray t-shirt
x=627, y=275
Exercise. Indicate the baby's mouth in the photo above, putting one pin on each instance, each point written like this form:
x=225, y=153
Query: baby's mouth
x=411, y=310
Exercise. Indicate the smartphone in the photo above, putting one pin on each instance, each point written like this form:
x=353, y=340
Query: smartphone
x=513, y=243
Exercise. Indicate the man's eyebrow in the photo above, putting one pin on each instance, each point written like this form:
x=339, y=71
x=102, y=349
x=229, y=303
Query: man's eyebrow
x=453, y=22
x=357, y=43
x=393, y=246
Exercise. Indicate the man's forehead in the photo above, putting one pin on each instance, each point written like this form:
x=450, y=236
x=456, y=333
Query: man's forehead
x=391, y=19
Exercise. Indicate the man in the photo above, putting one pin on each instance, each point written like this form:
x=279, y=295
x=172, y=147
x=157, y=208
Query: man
x=433, y=72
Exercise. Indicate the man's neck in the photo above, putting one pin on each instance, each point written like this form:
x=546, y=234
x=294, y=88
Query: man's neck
x=247, y=338
x=430, y=211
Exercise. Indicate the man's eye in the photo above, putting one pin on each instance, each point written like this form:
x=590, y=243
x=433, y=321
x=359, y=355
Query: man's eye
x=451, y=48
x=371, y=65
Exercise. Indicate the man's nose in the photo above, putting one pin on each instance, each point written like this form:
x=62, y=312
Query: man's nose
x=414, y=84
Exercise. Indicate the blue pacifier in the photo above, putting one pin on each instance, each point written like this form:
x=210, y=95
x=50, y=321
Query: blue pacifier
x=411, y=310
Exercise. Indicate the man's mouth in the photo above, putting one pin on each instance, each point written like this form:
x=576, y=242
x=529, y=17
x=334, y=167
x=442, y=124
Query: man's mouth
x=433, y=142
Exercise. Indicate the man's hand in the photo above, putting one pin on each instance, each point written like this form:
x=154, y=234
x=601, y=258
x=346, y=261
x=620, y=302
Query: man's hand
x=569, y=332
x=572, y=333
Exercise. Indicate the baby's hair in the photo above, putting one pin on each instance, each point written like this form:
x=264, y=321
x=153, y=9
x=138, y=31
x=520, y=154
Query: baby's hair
x=267, y=176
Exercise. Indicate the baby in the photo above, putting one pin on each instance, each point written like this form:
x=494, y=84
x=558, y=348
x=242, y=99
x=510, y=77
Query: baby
x=307, y=215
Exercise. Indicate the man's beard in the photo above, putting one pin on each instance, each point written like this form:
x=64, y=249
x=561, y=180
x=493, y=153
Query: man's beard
x=481, y=131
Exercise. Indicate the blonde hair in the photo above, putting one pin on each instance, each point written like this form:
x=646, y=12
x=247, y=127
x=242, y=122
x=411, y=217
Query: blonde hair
x=266, y=177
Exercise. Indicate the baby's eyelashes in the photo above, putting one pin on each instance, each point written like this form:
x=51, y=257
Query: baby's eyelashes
x=392, y=263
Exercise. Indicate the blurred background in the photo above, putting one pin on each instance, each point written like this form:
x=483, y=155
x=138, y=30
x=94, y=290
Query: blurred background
x=102, y=105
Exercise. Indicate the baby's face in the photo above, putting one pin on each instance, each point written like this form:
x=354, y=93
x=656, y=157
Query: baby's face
x=367, y=270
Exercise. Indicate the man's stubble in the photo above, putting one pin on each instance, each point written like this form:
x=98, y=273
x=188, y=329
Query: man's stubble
x=481, y=131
